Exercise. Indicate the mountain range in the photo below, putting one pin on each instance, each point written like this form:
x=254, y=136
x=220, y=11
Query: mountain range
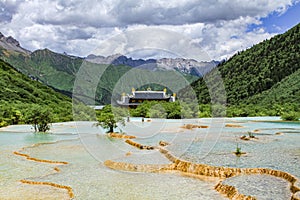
x=59, y=70
x=186, y=66
x=262, y=80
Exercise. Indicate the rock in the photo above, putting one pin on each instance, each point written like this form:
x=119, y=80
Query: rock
x=296, y=196
x=191, y=126
x=162, y=143
x=139, y=146
x=11, y=44
x=13, y=41
x=56, y=169
x=239, y=153
x=231, y=192
x=136, y=167
x=234, y=126
x=68, y=188
x=128, y=154
x=297, y=184
x=244, y=137
x=40, y=160
x=224, y=172
x=117, y=135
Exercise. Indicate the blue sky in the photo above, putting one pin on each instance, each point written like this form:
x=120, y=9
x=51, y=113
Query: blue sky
x=279, y=23
x=220, y=27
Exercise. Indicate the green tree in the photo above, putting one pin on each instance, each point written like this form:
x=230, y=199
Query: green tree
x=40, y=118
x=108, y=120
x=157, y=111
x=290, y=116
x=16, y=116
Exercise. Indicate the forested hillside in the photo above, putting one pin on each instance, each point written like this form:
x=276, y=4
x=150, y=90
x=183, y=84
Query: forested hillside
x=263, y=77
x=56, y=70
x=257, y=69
x=282, y=99
x=286, y=91
x=59, y=71
x=19, y=95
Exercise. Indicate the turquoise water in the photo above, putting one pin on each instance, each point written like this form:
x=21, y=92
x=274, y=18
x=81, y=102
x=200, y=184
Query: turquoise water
x=85, y=147
x=268, y=150
x=256, y=185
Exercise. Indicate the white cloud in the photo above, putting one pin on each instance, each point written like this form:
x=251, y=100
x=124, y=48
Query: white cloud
x=7, y=9
x=147, y=40
x=78, y=27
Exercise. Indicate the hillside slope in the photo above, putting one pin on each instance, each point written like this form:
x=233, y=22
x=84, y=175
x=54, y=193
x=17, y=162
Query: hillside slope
x=59, y=71
x=19, y=93
x=286, y=91
x=257, y=69
x=56, y=70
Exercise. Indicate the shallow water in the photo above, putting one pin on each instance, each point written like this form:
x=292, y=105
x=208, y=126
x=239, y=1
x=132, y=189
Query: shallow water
x=85, y=147
x=256, y=185
x=268, y=150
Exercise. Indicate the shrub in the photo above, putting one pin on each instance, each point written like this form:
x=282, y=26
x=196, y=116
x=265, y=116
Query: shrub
x=290, y=116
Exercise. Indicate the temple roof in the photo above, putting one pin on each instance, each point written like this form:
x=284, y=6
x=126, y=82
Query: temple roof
x=149, y=95
x=137, y=97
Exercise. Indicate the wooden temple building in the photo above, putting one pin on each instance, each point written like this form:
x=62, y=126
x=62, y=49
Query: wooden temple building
x=137, y=97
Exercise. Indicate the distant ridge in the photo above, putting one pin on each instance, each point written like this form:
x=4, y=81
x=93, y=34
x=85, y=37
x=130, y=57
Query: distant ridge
x=187, y=66
x=11, y=44
x=58, y=70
